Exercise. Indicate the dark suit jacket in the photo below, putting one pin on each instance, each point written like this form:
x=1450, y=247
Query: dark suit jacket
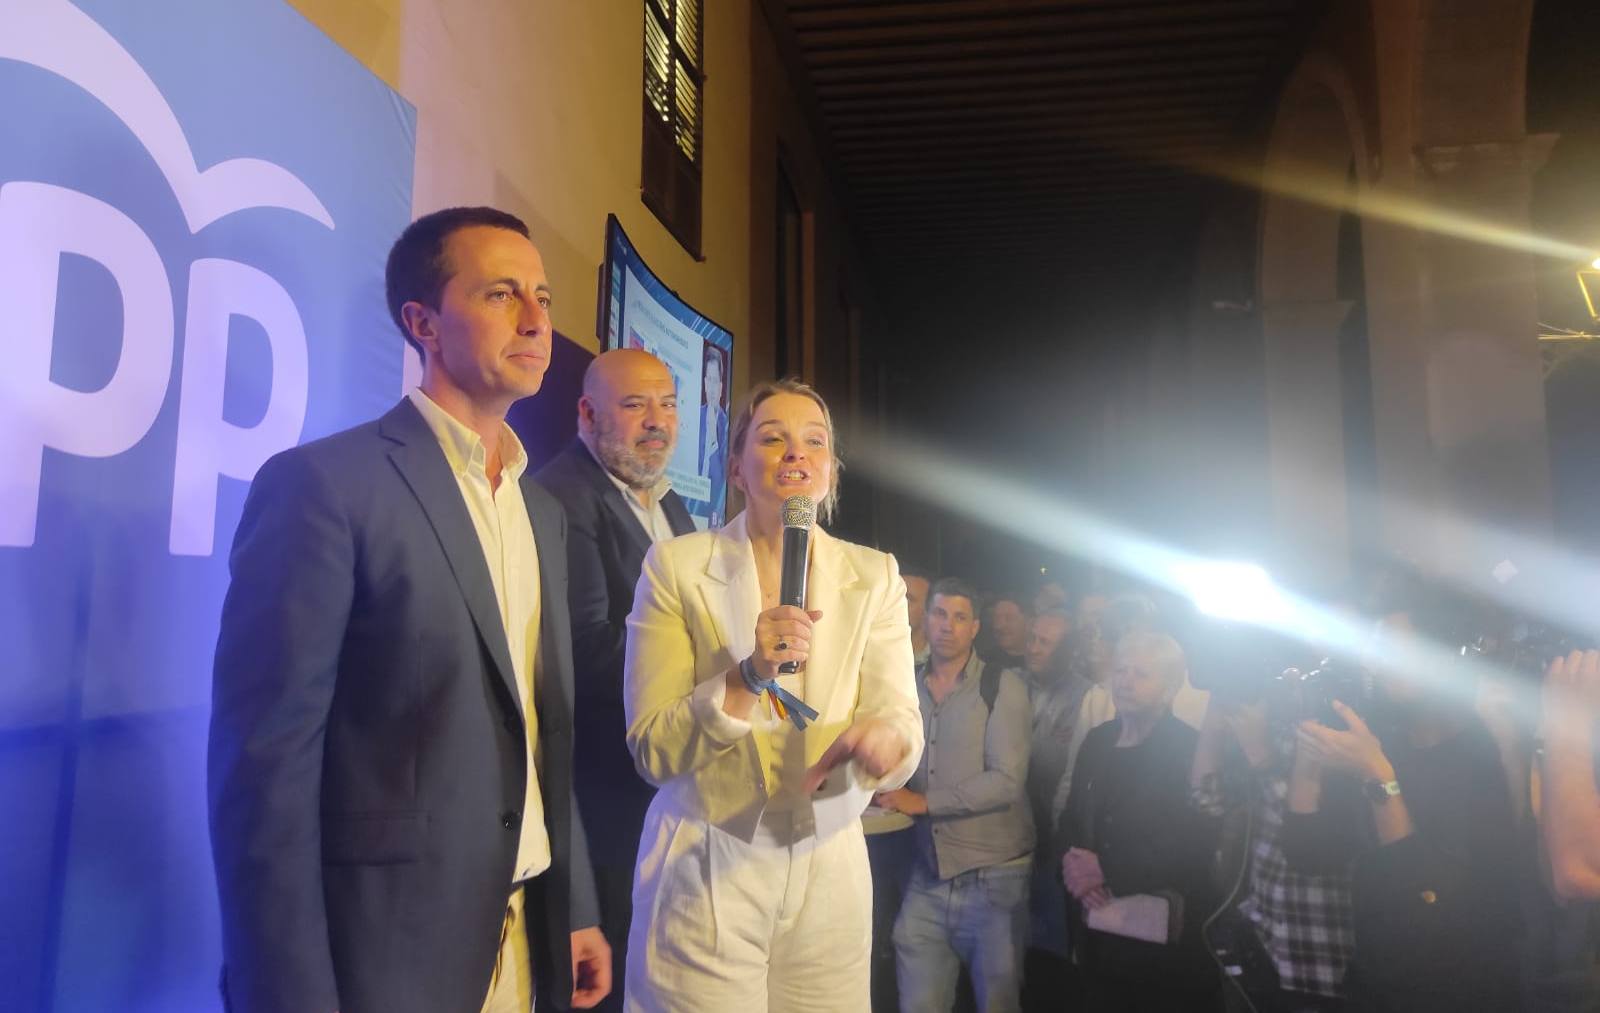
x=605, y=551
x=367, y=765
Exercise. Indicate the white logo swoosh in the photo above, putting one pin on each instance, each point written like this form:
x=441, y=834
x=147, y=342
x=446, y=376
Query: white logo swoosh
x=55, y=36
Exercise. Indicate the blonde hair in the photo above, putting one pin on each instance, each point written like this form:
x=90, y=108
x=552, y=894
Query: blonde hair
x=740, y=432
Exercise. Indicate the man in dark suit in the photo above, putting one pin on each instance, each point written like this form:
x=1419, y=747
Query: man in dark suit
x=391, y=742
x=612, y=482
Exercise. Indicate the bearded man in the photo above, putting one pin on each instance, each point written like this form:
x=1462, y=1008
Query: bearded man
x=612, y=482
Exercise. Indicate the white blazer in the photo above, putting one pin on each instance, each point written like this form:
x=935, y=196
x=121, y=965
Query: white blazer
x=694, y=617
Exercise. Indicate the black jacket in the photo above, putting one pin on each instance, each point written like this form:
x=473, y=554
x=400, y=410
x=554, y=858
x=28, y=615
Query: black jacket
x=1148, y=840
x=1436, y=916
x=605, y=551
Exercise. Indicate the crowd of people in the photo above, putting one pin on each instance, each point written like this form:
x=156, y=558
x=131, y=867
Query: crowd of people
x=1427, y=843
x=480, y=734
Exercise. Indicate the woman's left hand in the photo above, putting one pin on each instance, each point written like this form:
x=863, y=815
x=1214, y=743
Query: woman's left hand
x=877, y=746
x=1355, y=751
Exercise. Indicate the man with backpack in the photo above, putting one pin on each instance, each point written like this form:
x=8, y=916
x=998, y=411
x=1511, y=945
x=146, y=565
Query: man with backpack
x=967, y=902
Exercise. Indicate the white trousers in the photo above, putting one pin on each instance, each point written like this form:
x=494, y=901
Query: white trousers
x=770, y=926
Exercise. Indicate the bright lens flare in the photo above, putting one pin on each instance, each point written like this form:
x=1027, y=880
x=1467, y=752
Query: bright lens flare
x=1241, y=592
x=1315, y=185
x=1231, y=591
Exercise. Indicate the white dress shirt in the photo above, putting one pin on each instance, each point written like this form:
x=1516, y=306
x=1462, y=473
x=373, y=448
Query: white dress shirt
x=651, y=516
x=500, y=518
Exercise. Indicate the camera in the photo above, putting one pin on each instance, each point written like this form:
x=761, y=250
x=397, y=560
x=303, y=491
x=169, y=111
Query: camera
x=1296, y=695
x=1522, y=648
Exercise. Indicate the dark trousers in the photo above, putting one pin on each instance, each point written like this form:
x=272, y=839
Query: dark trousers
x=1119, y=995
x=1049, y=982
x=614, y=884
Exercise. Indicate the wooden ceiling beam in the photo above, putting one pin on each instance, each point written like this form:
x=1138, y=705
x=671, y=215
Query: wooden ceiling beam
x=1050, y=151
x=1068, y=148
x=1063, y=46
x=1152, y=130
x=1027, y=106
x=807, y=17
x=1197, y=57
x=1115, y=218
x=1111, y=215
x=1231, y=87
x=1038, y=176
x=854, y=44
x=1006, y=77
x=913, y=202
x=1035, y=179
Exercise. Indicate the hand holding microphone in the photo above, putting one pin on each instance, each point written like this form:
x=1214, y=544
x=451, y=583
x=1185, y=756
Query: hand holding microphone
x=799, y=514
x=783, y=633
x=783, y=638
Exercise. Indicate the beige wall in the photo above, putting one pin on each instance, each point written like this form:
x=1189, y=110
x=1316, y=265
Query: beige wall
x=535, y=106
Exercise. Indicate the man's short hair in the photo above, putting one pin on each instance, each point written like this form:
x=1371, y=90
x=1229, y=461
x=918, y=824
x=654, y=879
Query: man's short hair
x=1052, y=613
x=417, y=272
x=913, y=569
x=954, y=587
x=1015, y=598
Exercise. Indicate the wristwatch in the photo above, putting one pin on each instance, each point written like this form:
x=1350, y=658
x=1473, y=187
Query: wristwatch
x=1380, y=791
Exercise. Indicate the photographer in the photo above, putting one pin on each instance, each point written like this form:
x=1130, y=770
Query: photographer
x=1570, y=815
x=1434, y=901
x=1285, y=930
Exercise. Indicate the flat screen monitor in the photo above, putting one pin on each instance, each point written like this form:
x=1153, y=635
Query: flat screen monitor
x=638, y=310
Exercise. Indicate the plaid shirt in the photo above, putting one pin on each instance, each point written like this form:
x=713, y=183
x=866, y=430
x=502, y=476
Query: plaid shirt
x=1302, y=919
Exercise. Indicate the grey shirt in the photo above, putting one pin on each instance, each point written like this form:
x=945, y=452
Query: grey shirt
x=973, y=772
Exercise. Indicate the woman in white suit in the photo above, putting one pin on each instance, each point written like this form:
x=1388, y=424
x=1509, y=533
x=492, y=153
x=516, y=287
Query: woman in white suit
x=752, y=890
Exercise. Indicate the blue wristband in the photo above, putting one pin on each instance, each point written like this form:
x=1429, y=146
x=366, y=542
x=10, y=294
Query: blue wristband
x=752, y=681
x=788, y=704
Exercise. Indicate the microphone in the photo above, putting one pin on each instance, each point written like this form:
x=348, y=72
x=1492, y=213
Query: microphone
x=799, y=514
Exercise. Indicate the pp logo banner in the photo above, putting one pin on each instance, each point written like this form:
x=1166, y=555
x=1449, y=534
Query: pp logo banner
x=185, y=232
x=196, y=199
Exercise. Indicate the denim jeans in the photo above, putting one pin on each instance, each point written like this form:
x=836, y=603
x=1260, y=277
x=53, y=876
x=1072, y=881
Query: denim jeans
x=977, y=918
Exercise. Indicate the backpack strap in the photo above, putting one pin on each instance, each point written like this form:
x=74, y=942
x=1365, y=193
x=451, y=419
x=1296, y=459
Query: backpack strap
x=989, y=685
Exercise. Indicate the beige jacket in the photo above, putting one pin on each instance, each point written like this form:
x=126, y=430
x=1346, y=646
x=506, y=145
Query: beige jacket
x=694, y=616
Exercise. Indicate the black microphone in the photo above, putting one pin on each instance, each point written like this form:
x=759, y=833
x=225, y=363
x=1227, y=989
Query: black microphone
x=799, y=513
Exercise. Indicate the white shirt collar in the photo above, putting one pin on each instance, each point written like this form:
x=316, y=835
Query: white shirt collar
x=463, y=448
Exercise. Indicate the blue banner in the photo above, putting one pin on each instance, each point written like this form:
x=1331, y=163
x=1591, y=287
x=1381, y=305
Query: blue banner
x=196, y=199
x=638, y=310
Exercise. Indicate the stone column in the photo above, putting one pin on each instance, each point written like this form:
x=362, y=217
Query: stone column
x=1482, y=378
x=1305, y=436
